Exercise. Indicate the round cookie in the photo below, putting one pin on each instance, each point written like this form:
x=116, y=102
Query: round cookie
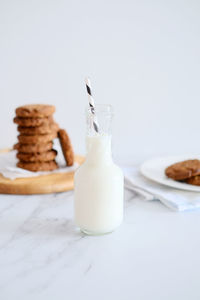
x=66, y=147
x=32, y=139
x=43, y=129
x=35, y=110
x=39, y=157
x=184, y=169
x=33, y=122
x=193, y=180
x=38, y=166
x=33, y=148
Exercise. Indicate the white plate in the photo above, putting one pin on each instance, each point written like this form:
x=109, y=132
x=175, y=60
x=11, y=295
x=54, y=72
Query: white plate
x=154, y=169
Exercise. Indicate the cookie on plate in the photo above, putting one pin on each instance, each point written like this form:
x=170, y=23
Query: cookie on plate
x=39, y=157
x=184, y=169
x=33, y=122
x=43, y=129
x=38, y=166
x=66, y=147
x=193, y=180
x=32, y=139
x=35, y=111
x=33, y=148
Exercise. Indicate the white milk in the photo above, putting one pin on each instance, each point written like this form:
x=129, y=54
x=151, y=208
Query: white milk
x=98, y=189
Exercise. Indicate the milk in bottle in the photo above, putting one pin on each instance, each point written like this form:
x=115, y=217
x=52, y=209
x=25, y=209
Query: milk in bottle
x=98, y=181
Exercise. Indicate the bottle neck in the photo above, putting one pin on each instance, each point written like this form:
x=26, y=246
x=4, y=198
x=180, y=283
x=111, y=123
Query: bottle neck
x=99, y=149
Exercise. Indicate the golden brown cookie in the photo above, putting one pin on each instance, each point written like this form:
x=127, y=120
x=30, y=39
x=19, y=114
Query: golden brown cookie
x=184, y=169
x=66, y=147
x=43, y=129
x=32, y=139
x=33, y=122
x=38, y=166
x=33, y=148
x=31, y=157
x=35, y=111
x=193, y=180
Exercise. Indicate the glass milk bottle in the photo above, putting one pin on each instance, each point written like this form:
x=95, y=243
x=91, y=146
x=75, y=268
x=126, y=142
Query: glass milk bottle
x=99, y=182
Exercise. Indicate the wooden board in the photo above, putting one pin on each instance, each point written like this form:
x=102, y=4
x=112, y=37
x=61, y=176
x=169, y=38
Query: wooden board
x=45, y=184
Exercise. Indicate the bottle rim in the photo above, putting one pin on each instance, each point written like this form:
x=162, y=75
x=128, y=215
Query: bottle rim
x=102, y=108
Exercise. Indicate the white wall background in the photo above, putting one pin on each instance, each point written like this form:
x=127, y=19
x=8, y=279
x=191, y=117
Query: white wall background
x=143, y=57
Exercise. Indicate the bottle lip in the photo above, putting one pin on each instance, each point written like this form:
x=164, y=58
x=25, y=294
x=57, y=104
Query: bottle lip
x=102, y=108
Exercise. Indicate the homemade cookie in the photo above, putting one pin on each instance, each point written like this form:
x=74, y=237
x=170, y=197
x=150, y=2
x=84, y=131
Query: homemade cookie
x=33, y=148
x=38, y=166
x=193, y=180
x=184, y=169
x=43, y=129
x=40, y=157
x=33, y=122
x=32, y=139
x=66, y=147
x=35, y=111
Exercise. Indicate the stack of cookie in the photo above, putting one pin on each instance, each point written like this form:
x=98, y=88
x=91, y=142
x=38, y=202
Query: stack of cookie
x=37, y=130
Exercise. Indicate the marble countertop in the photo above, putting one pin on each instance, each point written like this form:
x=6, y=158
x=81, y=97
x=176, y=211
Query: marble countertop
x=153, y=255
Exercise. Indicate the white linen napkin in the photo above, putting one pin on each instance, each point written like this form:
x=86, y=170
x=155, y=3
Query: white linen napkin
x=9, y=170
x=177, y=200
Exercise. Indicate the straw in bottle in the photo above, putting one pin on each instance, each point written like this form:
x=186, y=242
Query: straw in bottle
x=91, y=104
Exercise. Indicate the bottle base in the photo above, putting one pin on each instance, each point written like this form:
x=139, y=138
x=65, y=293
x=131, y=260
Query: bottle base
x=95, y=233
x=89, y=232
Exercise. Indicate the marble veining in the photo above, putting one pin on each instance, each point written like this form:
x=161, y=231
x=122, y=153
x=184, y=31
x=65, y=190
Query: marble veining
x=44, y=256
